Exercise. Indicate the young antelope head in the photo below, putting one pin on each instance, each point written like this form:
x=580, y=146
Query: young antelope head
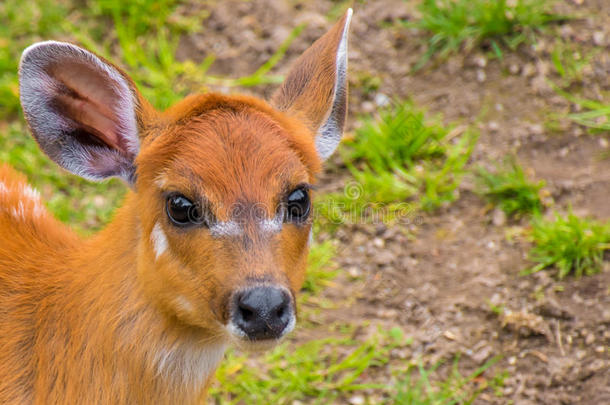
x=220, y=200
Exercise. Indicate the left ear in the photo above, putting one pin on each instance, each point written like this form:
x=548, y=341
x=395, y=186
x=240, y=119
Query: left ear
x=315, y=90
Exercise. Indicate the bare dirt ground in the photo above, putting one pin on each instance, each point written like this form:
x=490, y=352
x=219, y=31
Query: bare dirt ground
x=439, y=280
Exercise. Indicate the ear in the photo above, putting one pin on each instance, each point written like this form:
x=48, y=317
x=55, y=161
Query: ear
x=81, y=110
x=315, y=90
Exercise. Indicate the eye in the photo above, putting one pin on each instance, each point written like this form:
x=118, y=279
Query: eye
x=182, y=211
x=298, y=205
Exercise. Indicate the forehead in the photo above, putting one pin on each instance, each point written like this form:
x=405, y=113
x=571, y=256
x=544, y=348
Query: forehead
x=231, y=154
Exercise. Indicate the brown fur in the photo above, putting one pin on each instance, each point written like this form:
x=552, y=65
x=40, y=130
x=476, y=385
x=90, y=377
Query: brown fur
x=103, y=320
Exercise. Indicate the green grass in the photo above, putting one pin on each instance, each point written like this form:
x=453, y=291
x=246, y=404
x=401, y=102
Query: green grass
x=570, y=244
x=320, y=269
x=455, y=25
x=569, y=62
x=595, y=115
x=418, y=388
x=400, y=162
x=324, y=370
x=509, y=188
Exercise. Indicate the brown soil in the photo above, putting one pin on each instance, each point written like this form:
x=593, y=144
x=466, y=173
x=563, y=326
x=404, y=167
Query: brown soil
x=439, y=280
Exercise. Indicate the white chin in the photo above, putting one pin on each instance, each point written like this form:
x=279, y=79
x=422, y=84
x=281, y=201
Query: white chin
x=241, y=341
x=255, y=345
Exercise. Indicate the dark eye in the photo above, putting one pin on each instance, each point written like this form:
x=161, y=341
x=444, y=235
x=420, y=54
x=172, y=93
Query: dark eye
x=298, y=205
x=182, y=211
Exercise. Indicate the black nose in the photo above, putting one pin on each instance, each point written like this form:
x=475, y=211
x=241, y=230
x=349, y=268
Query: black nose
x=262, y=312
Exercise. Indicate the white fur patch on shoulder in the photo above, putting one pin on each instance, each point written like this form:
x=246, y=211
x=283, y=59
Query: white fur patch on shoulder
x=21, y=202
x=159, y=240
x=30, y=193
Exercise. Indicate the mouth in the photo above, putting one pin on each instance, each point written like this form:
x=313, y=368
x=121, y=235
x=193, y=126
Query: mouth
x=242, y=341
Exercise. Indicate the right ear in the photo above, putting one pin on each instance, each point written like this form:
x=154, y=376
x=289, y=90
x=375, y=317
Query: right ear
x=80, y=109
x=315, y=89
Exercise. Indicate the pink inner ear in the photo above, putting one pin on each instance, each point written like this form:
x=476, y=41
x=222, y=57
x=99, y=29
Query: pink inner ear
x=89, y=101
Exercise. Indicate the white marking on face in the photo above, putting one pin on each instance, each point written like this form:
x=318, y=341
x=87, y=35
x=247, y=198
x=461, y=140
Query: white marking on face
x=234, y=228
x=161, y=180
x=272, y=225
x=159, y=240
x=184, y=304
x=236, y=331
x=226, y=228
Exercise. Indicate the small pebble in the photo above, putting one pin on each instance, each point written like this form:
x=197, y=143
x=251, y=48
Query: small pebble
x=498, y=217
x=378, y=243
x=382, y=100
x=598, y=38
x=481, y=76
x=537, y=129
x=480, y=61
x=357, y=400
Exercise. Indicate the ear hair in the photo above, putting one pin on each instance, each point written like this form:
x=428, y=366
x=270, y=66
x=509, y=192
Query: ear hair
x=329, y=135
x=81, y=110
x=316, y=88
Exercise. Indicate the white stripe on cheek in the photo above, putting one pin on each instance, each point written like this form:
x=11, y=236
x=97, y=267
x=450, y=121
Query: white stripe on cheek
x=159, y=240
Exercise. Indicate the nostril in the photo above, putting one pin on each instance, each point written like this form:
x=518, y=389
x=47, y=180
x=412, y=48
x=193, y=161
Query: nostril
x=246, y=314
x=280, y=312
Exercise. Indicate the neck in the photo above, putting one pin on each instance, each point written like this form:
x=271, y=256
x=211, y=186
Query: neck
x=155, y=355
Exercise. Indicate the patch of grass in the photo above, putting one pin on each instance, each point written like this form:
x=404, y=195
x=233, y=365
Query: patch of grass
x=20, y=24
x=569, y=62
x=509, y=188
x=456, y=389
x=596, y=114
x=262, y=75
x=571, y=244
x=456, y=25
x=324, y=370
x=400, y=162
x=320, y=269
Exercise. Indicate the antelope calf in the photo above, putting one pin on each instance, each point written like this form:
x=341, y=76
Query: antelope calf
x=209, y=247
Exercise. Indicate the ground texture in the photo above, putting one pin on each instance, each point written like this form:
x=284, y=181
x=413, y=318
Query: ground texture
x=439, y=276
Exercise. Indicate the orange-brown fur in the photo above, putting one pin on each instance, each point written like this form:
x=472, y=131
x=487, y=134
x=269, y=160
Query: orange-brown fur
x=97, y=320
x=79, y=317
